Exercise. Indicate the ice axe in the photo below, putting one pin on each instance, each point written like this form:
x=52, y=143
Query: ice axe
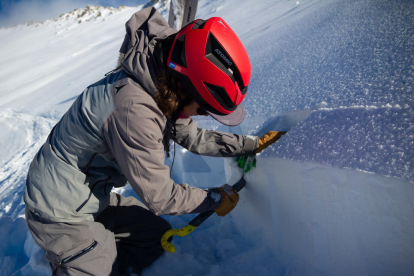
x=244, y=162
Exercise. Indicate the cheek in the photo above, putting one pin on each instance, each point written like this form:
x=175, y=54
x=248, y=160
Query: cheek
x=190, y=111
x=187, y=111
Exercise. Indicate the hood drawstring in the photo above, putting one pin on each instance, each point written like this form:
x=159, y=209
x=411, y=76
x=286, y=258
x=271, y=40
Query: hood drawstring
x=167, y=136
x=170, y=127
x=174, y=134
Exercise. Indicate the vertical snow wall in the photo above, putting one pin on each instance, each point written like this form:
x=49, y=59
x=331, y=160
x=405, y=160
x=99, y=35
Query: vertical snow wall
x=323, y=220
x=318, y=219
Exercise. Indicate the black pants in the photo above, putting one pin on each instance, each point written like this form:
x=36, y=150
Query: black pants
x=124, y=239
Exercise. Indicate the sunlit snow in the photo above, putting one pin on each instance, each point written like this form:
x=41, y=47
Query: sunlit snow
x=334, y=196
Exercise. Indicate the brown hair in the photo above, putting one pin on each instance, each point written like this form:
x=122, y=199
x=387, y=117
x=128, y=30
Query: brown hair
x=169, y=93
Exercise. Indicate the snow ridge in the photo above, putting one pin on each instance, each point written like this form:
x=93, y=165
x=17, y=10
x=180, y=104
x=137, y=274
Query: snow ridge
x=80, y=15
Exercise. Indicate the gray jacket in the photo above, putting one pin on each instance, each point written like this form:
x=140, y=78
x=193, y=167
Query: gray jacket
x=113, y=133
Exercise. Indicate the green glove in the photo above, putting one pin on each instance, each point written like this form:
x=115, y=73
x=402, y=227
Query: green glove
x=247, y=163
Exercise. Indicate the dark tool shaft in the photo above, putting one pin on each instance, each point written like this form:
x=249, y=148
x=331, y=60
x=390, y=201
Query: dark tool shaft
x=205, y=215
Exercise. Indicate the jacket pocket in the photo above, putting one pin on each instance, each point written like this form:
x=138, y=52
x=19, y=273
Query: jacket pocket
x=76, y=255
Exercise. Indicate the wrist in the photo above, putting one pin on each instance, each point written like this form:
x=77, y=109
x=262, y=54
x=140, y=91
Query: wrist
x=250, y=144
x=215, y=198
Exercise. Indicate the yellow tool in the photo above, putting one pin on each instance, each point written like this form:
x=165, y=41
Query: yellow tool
x=192, y=225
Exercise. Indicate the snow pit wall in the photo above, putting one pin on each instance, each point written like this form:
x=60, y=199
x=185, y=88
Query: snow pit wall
x=322, y=220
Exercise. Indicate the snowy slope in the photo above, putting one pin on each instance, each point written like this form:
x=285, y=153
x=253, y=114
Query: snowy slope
x=332, y=197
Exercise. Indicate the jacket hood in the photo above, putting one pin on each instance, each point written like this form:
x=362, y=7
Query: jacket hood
x=143, y=31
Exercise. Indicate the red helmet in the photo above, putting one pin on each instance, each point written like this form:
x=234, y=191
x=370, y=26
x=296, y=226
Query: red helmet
x=213, y=66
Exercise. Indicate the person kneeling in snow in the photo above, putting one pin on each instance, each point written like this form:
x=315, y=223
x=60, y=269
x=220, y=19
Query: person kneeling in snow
x=116, y=132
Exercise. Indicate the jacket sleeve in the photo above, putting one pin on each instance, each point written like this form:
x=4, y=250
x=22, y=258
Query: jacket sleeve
x=213, y=143
x=134, y=135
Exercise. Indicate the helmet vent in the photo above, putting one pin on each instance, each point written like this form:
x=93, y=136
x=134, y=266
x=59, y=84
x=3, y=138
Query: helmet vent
x=221, y=96
x=219, y=57
x=178, y=53
x=199, y=24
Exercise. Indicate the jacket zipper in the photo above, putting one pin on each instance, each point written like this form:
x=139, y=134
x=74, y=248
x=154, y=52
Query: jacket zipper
x=87, y=167
x=76, y=255
x=106, y=183
x=90, y=194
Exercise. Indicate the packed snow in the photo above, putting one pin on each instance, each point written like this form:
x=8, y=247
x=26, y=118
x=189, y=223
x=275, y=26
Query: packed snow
x=334, y=196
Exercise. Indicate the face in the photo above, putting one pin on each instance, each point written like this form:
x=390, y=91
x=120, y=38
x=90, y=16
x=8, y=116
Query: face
x=192, y=110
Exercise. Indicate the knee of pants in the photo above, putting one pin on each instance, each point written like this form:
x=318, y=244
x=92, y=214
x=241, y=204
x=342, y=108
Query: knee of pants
x=164, y=226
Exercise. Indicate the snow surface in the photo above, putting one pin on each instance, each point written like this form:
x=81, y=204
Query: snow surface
x=334, y=196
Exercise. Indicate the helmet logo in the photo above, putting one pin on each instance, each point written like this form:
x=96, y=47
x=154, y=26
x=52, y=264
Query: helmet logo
x=223, y=57
x=221, y=22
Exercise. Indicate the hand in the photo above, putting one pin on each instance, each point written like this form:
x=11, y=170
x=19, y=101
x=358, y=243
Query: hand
x=229, y=199
x=247, y=163
x=268, y=139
